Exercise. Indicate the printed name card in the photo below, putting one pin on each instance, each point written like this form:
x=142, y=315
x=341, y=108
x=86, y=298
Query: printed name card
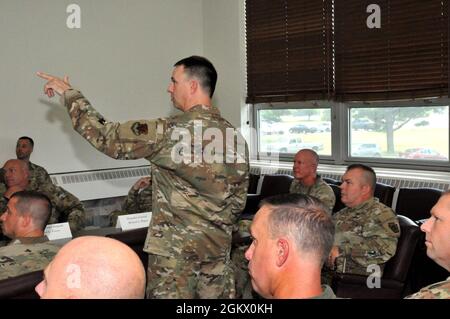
x=134, y=221
x=58, y=231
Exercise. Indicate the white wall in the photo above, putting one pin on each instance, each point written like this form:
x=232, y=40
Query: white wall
x=121, y=59
x=224, y=45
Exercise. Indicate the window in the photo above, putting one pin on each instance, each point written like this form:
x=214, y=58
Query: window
x=360, y=94
x=289, y=130
x=411, y=133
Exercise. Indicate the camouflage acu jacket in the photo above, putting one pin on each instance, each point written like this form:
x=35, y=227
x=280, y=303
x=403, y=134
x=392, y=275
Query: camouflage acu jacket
x=138, y=201
x=320, y=190
x=38, y=176
x=366, y=235
x=440, y=290
x=196, y=200
x=19, y=259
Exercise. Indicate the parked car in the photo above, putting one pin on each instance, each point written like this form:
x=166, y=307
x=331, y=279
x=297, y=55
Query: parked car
x=296, y=144
x=324, y=127
x=366, y=150
x=424, y=153
x=301, y=128
x=363, y=124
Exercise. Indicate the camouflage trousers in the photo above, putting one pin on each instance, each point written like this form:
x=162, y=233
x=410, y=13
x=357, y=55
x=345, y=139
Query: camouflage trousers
x=172, y=278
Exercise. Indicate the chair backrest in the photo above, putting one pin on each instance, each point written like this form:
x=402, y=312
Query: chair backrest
x=252, y=183
x=398, y=266
x=338, y=205
x=135, y=239
x=275, y=185
x=331, y=181
x=416, y=203
x=21, y=287
x=385, y=193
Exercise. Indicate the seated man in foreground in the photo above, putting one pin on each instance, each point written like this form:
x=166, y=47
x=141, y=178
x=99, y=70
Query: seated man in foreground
x=292, y=237
x=367, y=231
x=437, y=240
x=24, y=222
x=92, y=267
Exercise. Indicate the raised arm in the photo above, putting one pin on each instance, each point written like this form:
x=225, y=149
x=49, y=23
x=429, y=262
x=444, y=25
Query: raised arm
x=129, y=140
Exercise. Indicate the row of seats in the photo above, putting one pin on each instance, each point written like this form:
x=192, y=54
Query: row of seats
x=414, y=203
x=409, y=269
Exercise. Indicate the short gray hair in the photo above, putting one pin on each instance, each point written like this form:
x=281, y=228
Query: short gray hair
x=305, y=219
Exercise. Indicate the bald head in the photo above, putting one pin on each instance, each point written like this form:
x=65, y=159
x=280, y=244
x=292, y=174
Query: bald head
x=16, y=173
x=305, y=166
x=94, y=267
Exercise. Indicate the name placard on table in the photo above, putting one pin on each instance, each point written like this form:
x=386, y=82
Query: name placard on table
x=58, y=231
x=134, y=221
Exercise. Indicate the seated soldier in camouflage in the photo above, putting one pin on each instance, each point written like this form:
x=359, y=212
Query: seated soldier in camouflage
x=139, y=199
x=38, y=174
x=292, y=237
x=367, y=231
x=24, y=221
x=437, y=240
x=307, y=181
x=66, y=207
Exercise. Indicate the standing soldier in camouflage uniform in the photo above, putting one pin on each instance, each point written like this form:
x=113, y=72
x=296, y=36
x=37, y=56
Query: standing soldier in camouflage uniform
x=198, y=190
x=367, y=231
x=38, y=174
x=139, y=199
x=24, y=222
x=307, y=181
x=66, y=207
x=437, y=236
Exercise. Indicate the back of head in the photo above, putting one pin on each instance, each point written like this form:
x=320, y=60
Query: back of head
x=305, y=219
x=369, y=175
x=36, y=205
x=203, y=70
x=94, y=267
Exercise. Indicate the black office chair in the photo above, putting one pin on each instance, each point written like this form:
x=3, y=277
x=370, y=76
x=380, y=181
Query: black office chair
x=331, y=181
x=21, y=287
x=385, y=193
x=396, y=280
x=416, y=203
x=338, y=205
x=271, y=185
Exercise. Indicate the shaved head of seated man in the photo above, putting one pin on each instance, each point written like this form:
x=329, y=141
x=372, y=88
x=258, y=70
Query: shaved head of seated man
x=307, y=181
x=26, y=216
x=92, y=267
x=17, y=176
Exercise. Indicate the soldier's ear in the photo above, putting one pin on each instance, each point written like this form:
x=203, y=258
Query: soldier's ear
x=25, y=220
x=282, y=251
x=193, y=86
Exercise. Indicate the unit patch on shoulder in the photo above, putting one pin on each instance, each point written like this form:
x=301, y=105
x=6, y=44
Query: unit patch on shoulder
x=139, y=128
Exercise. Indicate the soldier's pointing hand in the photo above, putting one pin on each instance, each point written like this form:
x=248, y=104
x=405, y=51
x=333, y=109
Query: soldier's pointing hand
x=54, y=84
